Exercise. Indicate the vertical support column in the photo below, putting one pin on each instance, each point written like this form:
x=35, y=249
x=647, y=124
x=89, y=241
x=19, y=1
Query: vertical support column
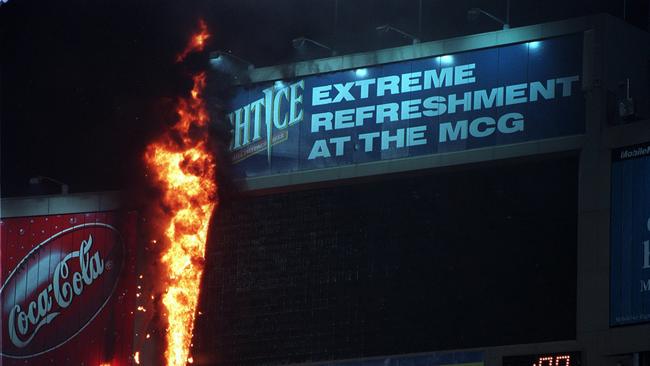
x=593, y=204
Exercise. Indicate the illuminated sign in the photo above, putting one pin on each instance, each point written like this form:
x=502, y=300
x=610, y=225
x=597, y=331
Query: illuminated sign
x=468, y=100
x=68, y=288
x=630, y=236
x=549, y=359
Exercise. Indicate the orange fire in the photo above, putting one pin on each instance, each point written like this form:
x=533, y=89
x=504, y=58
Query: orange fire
x=196, y=43
x=183, y=168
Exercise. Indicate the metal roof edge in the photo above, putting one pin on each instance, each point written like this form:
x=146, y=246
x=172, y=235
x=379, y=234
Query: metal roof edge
x=59, y=204
x=425, y=49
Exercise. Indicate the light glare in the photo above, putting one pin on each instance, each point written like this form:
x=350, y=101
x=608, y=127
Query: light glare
x=447, y=59
x=361, y=72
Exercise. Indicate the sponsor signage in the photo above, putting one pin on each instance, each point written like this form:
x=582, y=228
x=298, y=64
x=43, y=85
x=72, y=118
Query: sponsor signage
x=66, y=293
x=544, y=359
x=432, y=359
x=630, y=235
x=482, y=98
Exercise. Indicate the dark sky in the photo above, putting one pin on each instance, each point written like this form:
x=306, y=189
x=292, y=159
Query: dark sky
x=85, y=84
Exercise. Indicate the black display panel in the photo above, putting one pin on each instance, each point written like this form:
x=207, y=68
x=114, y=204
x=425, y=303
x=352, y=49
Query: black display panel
x=456, y=258
x=544, y=359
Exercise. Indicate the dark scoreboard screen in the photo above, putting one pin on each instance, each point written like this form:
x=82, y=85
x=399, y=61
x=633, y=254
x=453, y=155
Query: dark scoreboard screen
x=544, y=359
x=447, y=259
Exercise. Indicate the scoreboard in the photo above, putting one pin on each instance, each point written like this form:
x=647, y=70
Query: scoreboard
x=544, y=359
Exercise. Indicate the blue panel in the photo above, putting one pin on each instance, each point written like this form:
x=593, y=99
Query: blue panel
x=469, y=100
x=630, y=236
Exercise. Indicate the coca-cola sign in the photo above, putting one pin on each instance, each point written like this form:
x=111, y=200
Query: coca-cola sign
x=59, y=287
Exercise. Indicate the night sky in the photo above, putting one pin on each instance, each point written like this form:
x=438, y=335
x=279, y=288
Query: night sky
x=85, y=84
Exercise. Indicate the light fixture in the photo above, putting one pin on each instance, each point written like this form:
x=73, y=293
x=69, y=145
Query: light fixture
x=39, y=179
x=363, y=72
x=447, y=59
x=534, y=45
x=389, y=28
x=301, y=42
x=229, y=62
x=474, y=13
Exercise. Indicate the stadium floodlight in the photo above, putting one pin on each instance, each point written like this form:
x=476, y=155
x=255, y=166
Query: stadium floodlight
x=389, y=28
x=40, y=179
x=301, y=42
x=229, y=62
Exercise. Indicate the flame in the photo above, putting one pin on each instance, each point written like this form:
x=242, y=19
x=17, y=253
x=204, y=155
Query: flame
x=197, y=42
x=184, y=169
x=136, y=358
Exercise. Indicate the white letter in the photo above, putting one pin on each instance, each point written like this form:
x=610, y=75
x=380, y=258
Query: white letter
x=296, y=99
x=344, y=119
x=415, y=135
x=481, y=98
x=276, y=110
x=516, y=94
x=387, y=110
x=432, y=77
x=566, y=84
x=446, y=130
x=343, y=92
x=340, y=142
x=362, y=114
x=537, y=88
x=410, y=109
x=466, y=102
x=367, y=139
x=321, y=120
x=390, y=83
x=463, y=74
x=474, y=127
x=364, y=84
x=319, y=150
x=410, y=82
x=517, y=123
x=435, y=106
x=320, y=95
x=386, y=139
x=256, y=108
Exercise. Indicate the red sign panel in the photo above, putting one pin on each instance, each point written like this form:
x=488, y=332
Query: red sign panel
x=68, y=289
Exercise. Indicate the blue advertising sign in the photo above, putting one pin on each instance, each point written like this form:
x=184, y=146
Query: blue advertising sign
x=433, y=359
x=630, y=236
x=488, y=97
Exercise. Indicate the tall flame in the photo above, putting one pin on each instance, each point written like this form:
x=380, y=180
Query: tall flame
x=197, y=42
x=183, y=168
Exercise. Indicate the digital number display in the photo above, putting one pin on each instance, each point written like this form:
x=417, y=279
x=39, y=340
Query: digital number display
x=545, y=359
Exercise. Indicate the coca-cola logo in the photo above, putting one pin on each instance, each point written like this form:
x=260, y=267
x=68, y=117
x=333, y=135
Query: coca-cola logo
x=58, y=288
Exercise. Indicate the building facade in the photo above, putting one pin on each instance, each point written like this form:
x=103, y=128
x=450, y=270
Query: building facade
x=475, y=199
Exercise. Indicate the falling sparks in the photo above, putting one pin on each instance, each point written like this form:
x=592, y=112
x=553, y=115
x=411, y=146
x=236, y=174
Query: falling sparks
x=184, y=169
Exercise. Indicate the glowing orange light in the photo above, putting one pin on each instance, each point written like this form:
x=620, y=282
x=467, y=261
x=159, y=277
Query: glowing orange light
x=136, y=358
x=184, y=169
x=197, y=42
